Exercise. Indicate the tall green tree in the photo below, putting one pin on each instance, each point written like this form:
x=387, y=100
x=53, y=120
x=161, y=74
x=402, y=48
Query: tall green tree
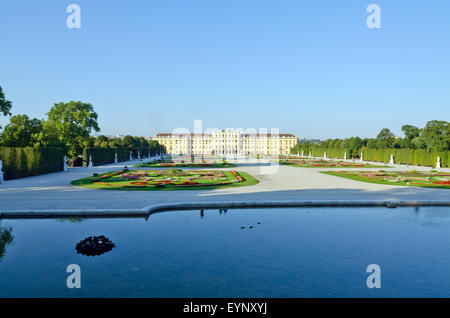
x=5, y=105
x=410, y=133
x=72, y=123
x=386, y=138
x=436, y=135
x=21, y=132
x=101, y=141
x=130, y=142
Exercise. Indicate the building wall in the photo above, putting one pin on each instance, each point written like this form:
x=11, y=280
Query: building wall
x=227, y=142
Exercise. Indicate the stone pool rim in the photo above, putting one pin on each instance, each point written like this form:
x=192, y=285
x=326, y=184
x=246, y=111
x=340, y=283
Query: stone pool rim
x=165, y=207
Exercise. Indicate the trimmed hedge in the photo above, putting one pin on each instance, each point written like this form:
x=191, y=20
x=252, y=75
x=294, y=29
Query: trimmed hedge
x=102, y=156
x=417, y=157
x=24, y=162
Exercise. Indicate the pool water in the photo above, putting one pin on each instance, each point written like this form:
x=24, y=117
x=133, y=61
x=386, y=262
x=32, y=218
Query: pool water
x=295, y=252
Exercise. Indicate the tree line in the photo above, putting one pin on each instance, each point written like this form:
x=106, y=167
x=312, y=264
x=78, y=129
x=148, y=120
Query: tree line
x=68, y=126
x=434, y=137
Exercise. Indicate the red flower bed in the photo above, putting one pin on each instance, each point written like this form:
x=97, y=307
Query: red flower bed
x=139, y=183
x=442, y=182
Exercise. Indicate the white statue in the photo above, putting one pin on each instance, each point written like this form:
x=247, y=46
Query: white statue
x=438, y=163
x=131, y=156
x=302, y=153
x=345, y=156
x=391, y=162
x=90, y=162
x=116, y=160
x=1, y=172
x=65, y=164
x=310, y=154
x=139, y=155
x=362, y=158
x=325, y=155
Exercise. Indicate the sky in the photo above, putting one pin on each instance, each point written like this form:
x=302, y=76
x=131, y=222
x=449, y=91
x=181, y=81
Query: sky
x=311, y=68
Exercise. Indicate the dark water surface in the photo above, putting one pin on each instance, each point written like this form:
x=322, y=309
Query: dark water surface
x=304, y=252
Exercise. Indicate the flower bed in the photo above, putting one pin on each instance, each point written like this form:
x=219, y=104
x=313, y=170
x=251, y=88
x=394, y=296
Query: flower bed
x=169, y=180
x=404, y=178
x=173, y=164
x=319, y=163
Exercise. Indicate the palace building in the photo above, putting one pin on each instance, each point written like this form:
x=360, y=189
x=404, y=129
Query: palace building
x=227, y=142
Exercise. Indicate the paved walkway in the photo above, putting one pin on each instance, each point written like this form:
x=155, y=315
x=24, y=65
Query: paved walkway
x=282, y=183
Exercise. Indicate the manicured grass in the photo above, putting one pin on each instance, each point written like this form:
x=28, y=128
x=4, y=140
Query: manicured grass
x=173, y=179
x=402, y=178
x=319, y=163
x=172, y=164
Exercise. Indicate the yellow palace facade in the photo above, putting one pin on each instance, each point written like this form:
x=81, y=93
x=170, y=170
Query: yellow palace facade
x=227, y=142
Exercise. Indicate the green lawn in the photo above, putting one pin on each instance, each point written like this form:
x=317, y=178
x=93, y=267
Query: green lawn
x=166, y=180
x=400, y=178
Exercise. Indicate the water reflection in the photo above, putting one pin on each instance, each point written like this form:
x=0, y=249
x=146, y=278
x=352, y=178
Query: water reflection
x=71, y=220
x=94, y=245
x=6, y=238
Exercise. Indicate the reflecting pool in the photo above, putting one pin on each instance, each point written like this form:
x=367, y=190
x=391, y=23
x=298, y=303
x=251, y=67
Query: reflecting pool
x=295, y=252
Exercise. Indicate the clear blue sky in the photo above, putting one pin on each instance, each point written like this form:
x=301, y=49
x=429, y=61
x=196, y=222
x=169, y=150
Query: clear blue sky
x=312, y=68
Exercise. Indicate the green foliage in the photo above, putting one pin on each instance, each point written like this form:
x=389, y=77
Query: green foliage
x=6, y=238
x=23, y=162
x=72, y=123
x=419, y=147
x=436, y=135
x=385, y=138
x=21, y=132
x=5, y=105
x=101, y=155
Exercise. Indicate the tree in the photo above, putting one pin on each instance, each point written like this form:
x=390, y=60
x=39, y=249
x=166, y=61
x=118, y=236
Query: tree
x=21, y=132
x=436, y=135
x=5, y=105
x=410, y=132
x=6, y=238
x=385, y=138
x=355, y=146
x=72, y=123
x=129, y=142
x=115, y=142
x=101, y=141
x=372, y=143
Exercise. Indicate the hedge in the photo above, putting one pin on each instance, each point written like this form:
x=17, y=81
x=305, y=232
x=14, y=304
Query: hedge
x=102, y=156
x=24, y=162
x=417, y=157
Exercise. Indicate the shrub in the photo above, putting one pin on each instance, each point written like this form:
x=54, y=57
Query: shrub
x=102, y=156
x=23, y=162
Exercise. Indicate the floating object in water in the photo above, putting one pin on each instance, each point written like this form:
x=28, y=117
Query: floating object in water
x=94, y=245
